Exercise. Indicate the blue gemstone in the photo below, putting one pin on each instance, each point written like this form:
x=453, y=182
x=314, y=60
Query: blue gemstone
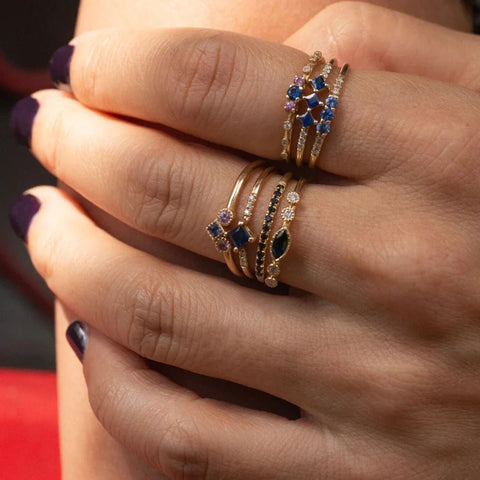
x=306, y=119
x=239, y=236
x=215, y=229
x=332, y=102
x=318, y=83
x=294, y=92
x=312, y=100
x=280, y=243
x=323, y=127
x=328, y=114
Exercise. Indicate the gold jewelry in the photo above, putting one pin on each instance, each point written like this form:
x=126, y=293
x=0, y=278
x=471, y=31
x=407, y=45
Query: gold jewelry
x=280, y=243
x=247, y=215
x=294, y=95
x=267, y=225
x=223, y=239
x=306, y=119
x=326, y=117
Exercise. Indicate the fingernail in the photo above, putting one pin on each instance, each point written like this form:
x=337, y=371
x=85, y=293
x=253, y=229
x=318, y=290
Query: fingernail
x=22, y=211
x=77, y=336
x=60, y=67
x=21, y=120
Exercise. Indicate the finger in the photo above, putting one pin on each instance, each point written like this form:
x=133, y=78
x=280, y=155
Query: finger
x=171, y=190
x=185, y=436
x=164, y=312
x=214, y=84
x=372, y=37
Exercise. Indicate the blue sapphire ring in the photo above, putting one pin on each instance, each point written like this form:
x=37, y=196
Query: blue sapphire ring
x=281, y=240
x=326, y=116
x=226, y=239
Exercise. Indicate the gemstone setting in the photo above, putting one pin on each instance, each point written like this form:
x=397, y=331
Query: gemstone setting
x=318, y=83
x=306, y=119
x=280, y=243
x=215, y=230
x=240, y=236
x=312, y=100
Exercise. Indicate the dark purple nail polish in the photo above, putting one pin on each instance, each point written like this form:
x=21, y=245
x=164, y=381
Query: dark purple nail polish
x=77, y=336
x=22, y=211
x=60, y=67
x=21, y=120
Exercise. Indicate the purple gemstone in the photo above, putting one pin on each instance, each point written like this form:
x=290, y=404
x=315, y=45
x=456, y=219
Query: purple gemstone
x=222, y=245
x=299, y=81
x=290, y=105
x=225, y=217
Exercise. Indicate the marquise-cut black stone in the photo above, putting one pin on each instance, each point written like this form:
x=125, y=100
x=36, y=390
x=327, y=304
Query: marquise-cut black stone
x=239, y=236
x=280, y=243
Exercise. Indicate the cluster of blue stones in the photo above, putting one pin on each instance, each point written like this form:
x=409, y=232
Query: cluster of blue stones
x=327, y=115
x=267, y=225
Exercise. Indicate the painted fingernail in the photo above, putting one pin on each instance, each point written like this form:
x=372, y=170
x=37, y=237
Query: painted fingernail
x=21, y=120
x=22, y=211
x=77, y=336
x=60, y=67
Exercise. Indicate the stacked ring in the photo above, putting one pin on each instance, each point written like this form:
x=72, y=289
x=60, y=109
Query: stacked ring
x=240, y=235
x=267, y=225
x=281, y=240
x=327, y=115
x=247, y=215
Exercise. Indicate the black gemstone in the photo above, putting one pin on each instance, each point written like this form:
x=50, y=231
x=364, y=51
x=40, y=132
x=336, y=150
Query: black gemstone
x=260, y=254
x=281, y=187
x=274, y=201
x=268, y=218
x=271, y=209
x=280, y=243
x=266, y=228
x=239, y=236
x=263, y=236
x=277, y=194
x=259, y=262
x=261, y=247
x=215, y=229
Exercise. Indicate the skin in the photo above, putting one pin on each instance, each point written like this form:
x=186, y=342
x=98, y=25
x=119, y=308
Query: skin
x=115, y=462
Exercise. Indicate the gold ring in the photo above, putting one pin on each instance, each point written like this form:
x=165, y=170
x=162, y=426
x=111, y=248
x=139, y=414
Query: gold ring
x=281, y=241
x=223, y=239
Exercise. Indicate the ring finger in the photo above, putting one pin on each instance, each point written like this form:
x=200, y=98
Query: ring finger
x=171, y=190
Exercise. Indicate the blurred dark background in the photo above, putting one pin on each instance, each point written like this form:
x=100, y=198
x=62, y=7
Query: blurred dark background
x=30, y=31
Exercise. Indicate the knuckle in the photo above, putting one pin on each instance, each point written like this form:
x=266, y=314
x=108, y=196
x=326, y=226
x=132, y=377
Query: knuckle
x=153, y=331
x=161, y=195
x=183, y=453
x=210, y=66
x=352, y=29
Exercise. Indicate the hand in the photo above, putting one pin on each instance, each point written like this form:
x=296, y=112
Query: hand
x=380, y=386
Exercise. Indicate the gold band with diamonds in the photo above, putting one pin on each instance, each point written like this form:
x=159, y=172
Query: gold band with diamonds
x=247, y=215
x=328, y=113
x=281, y=240
x=216, y=229
x=293, y=96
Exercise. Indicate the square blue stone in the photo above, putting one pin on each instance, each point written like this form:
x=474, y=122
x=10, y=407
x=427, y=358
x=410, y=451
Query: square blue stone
x=312, y=100
x=318, y=83
x=214, y=229
x=306, y=119
x=239, y=236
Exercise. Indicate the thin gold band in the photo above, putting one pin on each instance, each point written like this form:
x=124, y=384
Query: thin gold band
x=225, y=217
x=267, y=225
x=281, y=241
x=247, y=215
